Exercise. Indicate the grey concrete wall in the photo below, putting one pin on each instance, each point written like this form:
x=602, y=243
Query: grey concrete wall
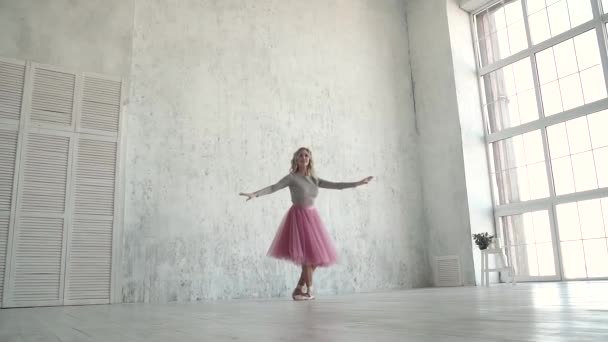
x=471, y=126
x=447, y=108
x=222, y=94
x=92, y=35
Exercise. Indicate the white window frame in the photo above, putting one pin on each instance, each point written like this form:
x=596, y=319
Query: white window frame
x=598, y=23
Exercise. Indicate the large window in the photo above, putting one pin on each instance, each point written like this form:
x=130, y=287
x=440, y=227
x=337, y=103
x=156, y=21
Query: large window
x=543, y=68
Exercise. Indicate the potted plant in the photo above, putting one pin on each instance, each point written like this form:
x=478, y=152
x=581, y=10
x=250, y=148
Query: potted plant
x=483, y=240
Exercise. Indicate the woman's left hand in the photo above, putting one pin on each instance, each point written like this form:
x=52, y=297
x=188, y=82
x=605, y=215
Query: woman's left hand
x=365, y=180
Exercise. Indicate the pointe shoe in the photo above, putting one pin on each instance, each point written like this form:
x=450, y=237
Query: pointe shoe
x=309, y=294
x=298, y=295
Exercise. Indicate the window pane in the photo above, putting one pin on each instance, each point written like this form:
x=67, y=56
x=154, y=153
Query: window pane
x=583, y=168
x=497, y=17
x=601, y=166
x=604, y=202
x=552, y=98
x=500, y=32
x=587, y=50
x=522, y=75
x=572, y=93
x=533, y=143
x=521, y=229
x=554, y=17
x=558, y=141
x=596, y=257
x=500, y=41
x=529, y=236
x=591, y=220
x=508, y=82
x=576, y=64
x=580, y=12
x=546, y=259
x=517, y=37
x=524, y=260
x=523, y=183
x=513, y=12
x=568, y=222
x=594, y=87
x=598, y=127
x=539, y=26
x=515, y=152
x=535, y=5
x=507, y=188
x=537, y=176
x=545, y=61
x=565, y=58
x=507, y=184
x=509, y=96
x=579, y=153
x=528, y=110
x=578, y=135
x=484, y=48
x=495, y=181
x=522, y=162
x=532, y=264
x=562, y=175
x=512, y=107
x=542, y=226
x=584, y=248
x=573, y=259
x=559, y=20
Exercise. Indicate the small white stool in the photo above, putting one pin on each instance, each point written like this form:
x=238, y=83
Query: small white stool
x=499, y=253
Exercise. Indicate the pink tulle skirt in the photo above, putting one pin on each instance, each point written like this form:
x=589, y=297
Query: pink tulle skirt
x=303, y=239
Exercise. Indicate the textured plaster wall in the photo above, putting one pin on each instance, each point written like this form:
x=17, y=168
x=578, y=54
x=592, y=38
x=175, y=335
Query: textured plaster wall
x=441, y=154
x=456, y=193
x=222, y=93
x=92, y=35
x=479, y=196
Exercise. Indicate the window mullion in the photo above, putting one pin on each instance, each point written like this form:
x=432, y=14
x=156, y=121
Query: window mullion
x=545, y=138
x=600, y=30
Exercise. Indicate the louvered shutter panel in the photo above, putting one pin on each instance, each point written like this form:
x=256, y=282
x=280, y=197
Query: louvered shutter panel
x=4, y=221
x=12, y=78
x=38, y=250
x=52, y=100
x=8, y=155
x=90, y=247
x=100, y=107
x=90, y=265
x=62, y=234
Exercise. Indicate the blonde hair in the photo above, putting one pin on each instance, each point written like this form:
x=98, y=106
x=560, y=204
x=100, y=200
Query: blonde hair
x=310, y=170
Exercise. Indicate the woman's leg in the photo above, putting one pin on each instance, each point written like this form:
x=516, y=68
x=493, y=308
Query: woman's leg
x=298, y=293
x=302, y=279
x=309, y=271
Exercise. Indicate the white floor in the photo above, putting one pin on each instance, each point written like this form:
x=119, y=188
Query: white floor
x=545, y=312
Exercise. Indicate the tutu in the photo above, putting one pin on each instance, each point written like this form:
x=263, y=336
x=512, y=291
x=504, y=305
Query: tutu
x=303, y=239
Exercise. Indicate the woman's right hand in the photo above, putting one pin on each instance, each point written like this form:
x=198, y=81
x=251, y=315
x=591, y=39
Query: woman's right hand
x=249, y=196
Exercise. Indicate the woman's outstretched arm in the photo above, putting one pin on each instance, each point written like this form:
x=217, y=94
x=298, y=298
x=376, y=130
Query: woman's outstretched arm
x=342, y=185
x=269, y=189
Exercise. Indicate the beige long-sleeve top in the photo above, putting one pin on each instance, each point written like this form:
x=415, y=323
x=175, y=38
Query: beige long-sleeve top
x=304, y=189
